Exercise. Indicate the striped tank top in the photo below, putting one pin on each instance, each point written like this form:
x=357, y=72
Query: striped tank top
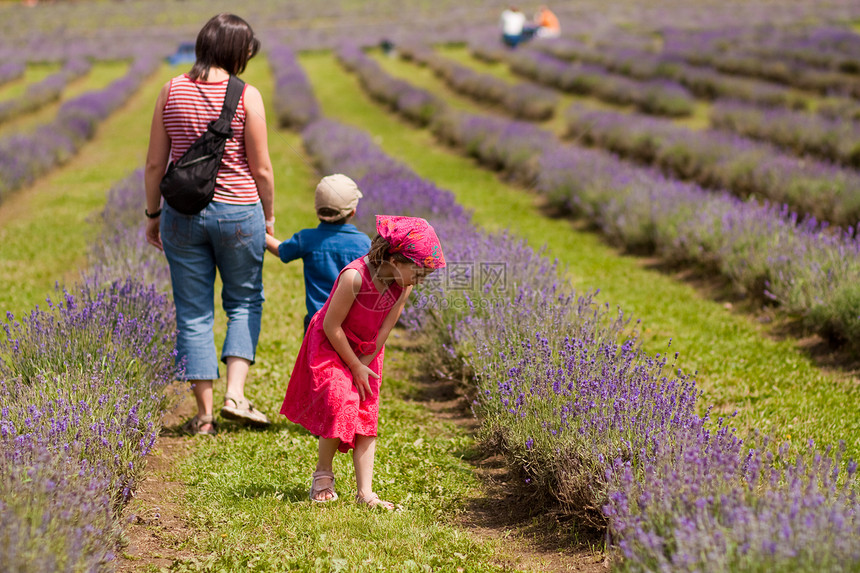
x=190, y=106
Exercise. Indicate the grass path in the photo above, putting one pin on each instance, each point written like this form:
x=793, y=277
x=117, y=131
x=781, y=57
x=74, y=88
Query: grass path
x=775, y=386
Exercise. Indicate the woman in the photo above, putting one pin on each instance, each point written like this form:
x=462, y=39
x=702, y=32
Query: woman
x=229, y=233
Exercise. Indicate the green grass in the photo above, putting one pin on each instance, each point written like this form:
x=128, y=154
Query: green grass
x=44, y=229
x=99, y=77
x=774, y=385
x=33, y=73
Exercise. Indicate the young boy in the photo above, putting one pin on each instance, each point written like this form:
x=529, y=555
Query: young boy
x=332, y=245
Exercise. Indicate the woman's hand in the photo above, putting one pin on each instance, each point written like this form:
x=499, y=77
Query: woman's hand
x=361, y=374
x=153, y=237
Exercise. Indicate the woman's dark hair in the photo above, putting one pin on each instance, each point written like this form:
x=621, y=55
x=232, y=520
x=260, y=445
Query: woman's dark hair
x=225, y=41
x=379, y=253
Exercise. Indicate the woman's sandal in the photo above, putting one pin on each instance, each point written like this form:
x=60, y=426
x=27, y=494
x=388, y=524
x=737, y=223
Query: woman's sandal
x=315, y=491
x=243, y=411
x=373, y=501
x=194, y=426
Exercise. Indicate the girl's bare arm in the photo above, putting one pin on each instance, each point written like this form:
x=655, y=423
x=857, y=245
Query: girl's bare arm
x=348, y=285
x=388, y=324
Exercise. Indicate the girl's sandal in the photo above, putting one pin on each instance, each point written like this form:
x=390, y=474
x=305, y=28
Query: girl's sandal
x=373, y=501
x=194, y=426
x=316, y=491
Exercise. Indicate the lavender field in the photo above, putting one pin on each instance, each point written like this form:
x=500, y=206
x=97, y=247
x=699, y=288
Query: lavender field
x=617, y=440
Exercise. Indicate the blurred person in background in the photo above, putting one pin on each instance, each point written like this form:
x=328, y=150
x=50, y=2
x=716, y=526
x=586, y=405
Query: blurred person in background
x=546, y=23
x=229, y=234
x=512, y=23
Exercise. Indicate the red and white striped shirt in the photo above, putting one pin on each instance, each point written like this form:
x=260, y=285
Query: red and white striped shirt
x=190, y=106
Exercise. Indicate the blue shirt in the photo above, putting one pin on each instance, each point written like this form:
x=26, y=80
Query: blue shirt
x=325, y=251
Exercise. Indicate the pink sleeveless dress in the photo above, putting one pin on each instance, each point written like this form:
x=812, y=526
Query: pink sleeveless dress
x=321, y=396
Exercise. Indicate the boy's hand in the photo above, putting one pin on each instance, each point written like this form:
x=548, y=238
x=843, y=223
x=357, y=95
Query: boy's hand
x=272, y=244
x=361, y=374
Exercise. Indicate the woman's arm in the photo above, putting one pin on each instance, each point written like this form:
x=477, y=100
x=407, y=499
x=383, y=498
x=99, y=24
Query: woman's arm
x=388, y=324
x=156, y=164
x=257, y=150
x=342, y=300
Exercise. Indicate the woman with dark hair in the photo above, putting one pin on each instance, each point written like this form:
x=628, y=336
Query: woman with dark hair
x=229, y=234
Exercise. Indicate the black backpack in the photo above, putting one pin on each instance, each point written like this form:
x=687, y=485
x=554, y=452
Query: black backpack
x=188, y=184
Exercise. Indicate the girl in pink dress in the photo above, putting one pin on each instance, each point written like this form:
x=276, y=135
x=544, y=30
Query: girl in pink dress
x=334, y=387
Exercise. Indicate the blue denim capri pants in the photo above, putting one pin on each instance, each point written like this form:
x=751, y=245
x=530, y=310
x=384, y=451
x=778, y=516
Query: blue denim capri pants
x=232, y=239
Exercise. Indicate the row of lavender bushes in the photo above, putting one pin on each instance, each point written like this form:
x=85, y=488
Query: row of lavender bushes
x=720, y=160
x=808, y=269
x=83, y=389
x=661, y=97
x=46, y=91
x=702, y=82
x=592, y=423
x=10, y=71
x=738, y=50
x=302, y=107
x=834, y=140
x=829, y=47
x=522, y=100
x=418, y=105
x=24, y=157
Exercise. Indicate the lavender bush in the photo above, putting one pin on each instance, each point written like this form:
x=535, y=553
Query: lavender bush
x=709, y=502
x=10, y=71
x=718, y=160
x=522, y=100
x=416, y=104
x=835, y=140
x=702, y=82
x=294, y=102
x=657, y=97
x=82, y=385
x=739, y=51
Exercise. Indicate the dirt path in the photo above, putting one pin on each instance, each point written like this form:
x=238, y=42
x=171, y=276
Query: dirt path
x=159, y=530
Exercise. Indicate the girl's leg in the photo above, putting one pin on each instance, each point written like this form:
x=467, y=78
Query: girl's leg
x=362, y=460
x=327, y=448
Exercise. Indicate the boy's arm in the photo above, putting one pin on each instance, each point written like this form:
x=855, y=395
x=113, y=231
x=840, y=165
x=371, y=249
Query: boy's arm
x=289, y=250
x=272, y=244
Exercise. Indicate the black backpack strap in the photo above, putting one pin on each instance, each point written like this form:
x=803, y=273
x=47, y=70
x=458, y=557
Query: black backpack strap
x=234, y=91
x=221, y=125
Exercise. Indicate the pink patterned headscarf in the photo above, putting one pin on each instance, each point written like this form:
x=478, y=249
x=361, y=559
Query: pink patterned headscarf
x=413, y=238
